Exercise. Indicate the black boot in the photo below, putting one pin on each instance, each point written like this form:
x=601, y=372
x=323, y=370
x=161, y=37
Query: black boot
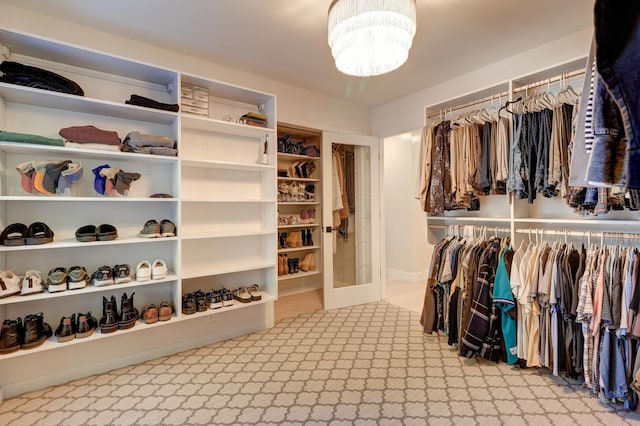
x=129, y=314
x=110, y=317
x=66, y=330
x=36, y=331
x=11, y=335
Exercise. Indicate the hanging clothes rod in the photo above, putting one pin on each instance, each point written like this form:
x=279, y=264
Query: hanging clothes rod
x=605, y=234
x=563, y=76
x=468, y=104
x=475, y=227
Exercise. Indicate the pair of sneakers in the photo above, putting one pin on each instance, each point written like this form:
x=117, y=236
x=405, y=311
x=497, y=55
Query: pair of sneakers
x=61, y=278
x=153, y=229
x=146, y=270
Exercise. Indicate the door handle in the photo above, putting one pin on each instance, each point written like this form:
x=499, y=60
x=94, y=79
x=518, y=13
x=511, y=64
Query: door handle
x=330, y=229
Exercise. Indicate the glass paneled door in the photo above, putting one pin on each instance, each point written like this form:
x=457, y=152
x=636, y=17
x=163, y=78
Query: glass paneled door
x=351, y=220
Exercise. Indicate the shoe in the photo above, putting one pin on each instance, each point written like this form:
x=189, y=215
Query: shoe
x=77, y=277
x=255, y=292
x=292, y=241
x=282, y=240
x=36, y=331
x=121, y=274
x=312, y=215
x=39, y=233
x=107, y=232
x=308, y=263
x=280, y=268
x=285, y=264
x=128, y=313
x=242, y=295
x=57, y=280
x=290, y=266
x=150, y=314
x=11, y=335
x=110, y=317
x=9, y=284
x=227, y=297
x=299, y=242
x=165, y=311
x=309, y=192
x=87, y=233
x=102, y=276
x=66, y=330
x=202, y=302
x=304, y=215
x=159, y=270
x=31, y=283
x=215, y=299
x=296, y=265
x=151, y=229
x=86, y=325
x=14, y=235
x=188, y=304
x=167, y=228
x=143, y=271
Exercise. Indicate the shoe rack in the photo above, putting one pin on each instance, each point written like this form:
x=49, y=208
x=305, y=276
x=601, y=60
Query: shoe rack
x=299, y=215
x=223, y=188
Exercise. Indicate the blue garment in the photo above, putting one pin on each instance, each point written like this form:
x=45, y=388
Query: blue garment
x=612, y=365
x=504, y=300
x=617, y=127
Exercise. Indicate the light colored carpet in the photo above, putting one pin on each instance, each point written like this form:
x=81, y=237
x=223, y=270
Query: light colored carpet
x=364, y=365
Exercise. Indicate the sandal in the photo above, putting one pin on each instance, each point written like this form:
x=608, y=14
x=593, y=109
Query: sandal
x=107, y=232
x=14, y=235
x=87, y=233
x=254, y=291
x=242, y=295
x=39, y=233
x=150, y=314
x=165, y=311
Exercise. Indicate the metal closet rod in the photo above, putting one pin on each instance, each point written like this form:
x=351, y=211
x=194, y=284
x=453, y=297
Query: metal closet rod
x=550, y=80
x=605, y=234
x=475, y=228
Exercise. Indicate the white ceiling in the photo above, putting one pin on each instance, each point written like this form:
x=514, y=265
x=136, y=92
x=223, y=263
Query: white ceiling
x=286, y=40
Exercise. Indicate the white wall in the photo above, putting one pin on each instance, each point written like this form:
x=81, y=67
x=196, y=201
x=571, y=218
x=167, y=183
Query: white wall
x=406, y=245
x=407, y=113
x=295, y=105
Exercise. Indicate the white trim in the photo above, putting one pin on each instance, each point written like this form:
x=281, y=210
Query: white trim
x=411, y=277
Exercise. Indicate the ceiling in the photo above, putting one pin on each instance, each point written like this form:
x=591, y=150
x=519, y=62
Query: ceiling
x=286, y=40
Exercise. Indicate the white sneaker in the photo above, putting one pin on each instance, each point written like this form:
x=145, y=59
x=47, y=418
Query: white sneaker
x=32, y=283
x=143, y=271
x=159, y=270
x=9, y=283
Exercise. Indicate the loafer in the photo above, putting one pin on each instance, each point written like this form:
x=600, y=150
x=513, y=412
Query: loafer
x=159, y=270
x=150, y=314
x=143, y=271
x=165, y=311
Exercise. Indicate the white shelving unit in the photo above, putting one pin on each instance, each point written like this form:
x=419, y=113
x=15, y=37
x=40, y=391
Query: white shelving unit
x=223, y=204
x=505, y=211
x=302, y=280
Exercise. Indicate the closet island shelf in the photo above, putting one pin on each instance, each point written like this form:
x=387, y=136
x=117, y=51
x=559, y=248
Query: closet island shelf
x=223, y=204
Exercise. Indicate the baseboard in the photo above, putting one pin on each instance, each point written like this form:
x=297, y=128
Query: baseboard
x=299, y=288
x=80, y=370
x=411, y=277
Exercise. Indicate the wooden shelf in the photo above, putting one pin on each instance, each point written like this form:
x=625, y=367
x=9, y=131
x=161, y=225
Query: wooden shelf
x=298, y=275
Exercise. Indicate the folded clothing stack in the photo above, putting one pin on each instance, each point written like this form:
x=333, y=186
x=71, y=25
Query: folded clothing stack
x=254, y=119
x=109, y=179
x=48, y=177
x=25, y=75
x=29, y=138
x=90, y=137
x=150, y=103
x=149, y=144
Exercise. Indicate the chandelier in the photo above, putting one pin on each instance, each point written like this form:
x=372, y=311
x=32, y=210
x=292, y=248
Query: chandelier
x=371, y=37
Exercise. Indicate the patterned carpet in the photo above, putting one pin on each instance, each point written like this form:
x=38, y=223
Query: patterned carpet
x=364, y=365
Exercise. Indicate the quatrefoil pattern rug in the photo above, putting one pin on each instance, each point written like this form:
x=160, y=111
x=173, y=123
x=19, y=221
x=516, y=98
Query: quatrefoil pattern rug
x=368, y=364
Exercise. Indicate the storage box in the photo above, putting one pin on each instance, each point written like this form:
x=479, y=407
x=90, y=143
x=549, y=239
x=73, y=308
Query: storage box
x=194, y=99
x=195, y=110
